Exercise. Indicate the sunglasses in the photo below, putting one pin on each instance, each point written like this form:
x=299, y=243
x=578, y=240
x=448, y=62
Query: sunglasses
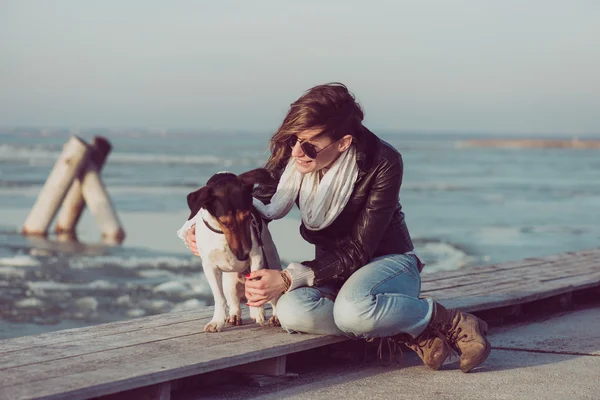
x=307, y=148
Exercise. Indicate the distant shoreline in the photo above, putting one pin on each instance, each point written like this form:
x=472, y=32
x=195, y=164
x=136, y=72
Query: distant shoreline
x=532, y=143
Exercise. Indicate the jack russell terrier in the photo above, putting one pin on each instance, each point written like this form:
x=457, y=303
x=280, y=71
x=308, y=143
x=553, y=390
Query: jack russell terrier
x=232, y=240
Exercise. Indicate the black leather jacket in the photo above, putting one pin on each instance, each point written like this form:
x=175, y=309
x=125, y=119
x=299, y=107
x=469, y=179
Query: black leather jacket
x=372, y=223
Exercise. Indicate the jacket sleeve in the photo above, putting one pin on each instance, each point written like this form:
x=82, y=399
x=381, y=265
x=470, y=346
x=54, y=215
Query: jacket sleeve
x=357, y=249
x=264, y=193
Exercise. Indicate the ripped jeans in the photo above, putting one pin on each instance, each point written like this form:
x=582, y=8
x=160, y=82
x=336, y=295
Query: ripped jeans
x=380, y=299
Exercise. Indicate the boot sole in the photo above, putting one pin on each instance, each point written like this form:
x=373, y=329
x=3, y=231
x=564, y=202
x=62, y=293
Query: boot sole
x=484, y=356
x=483, y=328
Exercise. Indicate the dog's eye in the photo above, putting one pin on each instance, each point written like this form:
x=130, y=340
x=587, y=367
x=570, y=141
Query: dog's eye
x=225, y=222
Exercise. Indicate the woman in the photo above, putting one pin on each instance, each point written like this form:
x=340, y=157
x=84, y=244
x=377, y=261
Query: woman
x=364, y=281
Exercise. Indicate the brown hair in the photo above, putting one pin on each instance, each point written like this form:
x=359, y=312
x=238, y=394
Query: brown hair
x=329, y=107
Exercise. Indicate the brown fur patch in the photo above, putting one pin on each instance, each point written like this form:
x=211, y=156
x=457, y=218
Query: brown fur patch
x=235, y=232
x=226, y=220
x=241, y=216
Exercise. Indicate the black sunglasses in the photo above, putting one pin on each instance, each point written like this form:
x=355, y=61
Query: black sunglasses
x=307, y=148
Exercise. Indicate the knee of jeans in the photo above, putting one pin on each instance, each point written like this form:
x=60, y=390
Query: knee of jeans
x=291, y=313
x=353, y=317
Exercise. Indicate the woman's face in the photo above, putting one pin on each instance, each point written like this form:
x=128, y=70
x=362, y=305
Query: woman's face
x=328, y=151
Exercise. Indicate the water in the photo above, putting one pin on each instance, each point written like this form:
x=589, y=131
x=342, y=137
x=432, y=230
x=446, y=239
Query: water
x=465, y=207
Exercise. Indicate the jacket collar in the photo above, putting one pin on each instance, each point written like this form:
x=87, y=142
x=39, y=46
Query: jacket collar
x=366, y=148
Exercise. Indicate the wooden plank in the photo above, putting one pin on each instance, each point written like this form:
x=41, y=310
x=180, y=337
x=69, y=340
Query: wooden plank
x=570, y=257
x=525, y=282
x=150, y=363
x=113, y=340
x=517, y=295
x=511, y=295
x=89, y=345
x=162, y=391
x=132, y=325
x=485, y=274
x=465, y=285
x=232, y=340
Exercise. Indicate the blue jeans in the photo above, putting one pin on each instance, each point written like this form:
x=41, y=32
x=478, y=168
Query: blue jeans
x=380, y=299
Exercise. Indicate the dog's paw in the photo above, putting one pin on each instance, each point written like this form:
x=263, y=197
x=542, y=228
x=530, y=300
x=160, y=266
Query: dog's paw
x=234, y=320
x=274, y=321
x=258, y=314
x=214, y=326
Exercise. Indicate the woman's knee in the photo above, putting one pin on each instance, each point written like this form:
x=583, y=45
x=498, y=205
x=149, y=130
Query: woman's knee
x=296, y=311
x=286, y=307
x=355, y=317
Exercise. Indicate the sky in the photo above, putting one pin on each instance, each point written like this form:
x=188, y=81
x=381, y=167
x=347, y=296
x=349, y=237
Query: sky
x=497, y=66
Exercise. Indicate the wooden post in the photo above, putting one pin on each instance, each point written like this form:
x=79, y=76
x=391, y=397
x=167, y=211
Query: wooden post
x=97, y=199
x=72, y=159
x=74, y=203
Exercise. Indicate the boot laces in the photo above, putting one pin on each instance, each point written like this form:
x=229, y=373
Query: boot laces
x=455, y=334
x=393, y=348
x=448, y=338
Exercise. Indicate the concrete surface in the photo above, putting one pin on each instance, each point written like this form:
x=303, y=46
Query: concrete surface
x=554, y=357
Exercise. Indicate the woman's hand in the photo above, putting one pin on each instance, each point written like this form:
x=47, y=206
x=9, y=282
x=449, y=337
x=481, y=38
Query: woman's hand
x=268, y=286
x=190, y=240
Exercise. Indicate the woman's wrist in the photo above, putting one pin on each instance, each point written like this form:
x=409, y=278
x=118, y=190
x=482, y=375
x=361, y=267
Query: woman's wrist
x=287, y=281
x=300, y=275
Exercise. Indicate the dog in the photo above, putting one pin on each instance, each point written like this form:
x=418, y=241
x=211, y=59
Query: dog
x=232, y=240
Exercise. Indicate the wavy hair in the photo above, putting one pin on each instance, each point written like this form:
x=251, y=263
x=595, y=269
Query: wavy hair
x=331, y=108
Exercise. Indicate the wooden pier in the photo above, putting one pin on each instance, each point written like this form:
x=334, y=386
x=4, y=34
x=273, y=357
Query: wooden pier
x=148, y=358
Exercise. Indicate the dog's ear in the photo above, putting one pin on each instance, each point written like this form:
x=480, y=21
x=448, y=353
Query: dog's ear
x=198, y=199
x=257, y=176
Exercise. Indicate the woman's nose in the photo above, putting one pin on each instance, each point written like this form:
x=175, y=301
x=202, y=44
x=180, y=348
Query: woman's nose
x=297, y=150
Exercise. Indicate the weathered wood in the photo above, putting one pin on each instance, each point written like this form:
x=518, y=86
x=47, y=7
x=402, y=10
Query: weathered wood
x=98, y=201
x=485, y=272
x=517, y=295
x=529, y=282
x=70, y=162
x=463, y=284
x=89, y=345
x=161, y=391
x=150, y=363
x=124, y=356
x=50, y=358
x=74, y=203
x=84, y=334
x=270, y=367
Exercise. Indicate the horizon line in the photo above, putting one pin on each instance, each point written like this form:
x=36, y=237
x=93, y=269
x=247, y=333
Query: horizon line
x=197, y=130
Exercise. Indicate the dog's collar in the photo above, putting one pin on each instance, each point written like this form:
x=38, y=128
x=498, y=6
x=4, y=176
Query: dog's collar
x=211, y=228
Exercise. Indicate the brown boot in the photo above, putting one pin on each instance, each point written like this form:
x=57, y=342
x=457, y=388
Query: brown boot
x=465, y=333
x=432, y=349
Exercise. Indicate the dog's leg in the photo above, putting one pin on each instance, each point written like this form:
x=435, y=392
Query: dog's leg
x=270, y=253
x=230, y=286
x=274, y=320
x=214, y=277
x=256, y=263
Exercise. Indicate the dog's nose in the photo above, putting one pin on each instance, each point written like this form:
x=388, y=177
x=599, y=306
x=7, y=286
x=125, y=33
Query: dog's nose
x=241, y=256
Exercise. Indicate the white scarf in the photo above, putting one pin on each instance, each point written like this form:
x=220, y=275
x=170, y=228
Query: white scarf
x=320, y=201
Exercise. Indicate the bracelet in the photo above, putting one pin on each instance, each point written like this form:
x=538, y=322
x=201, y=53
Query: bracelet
x=286, y=281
